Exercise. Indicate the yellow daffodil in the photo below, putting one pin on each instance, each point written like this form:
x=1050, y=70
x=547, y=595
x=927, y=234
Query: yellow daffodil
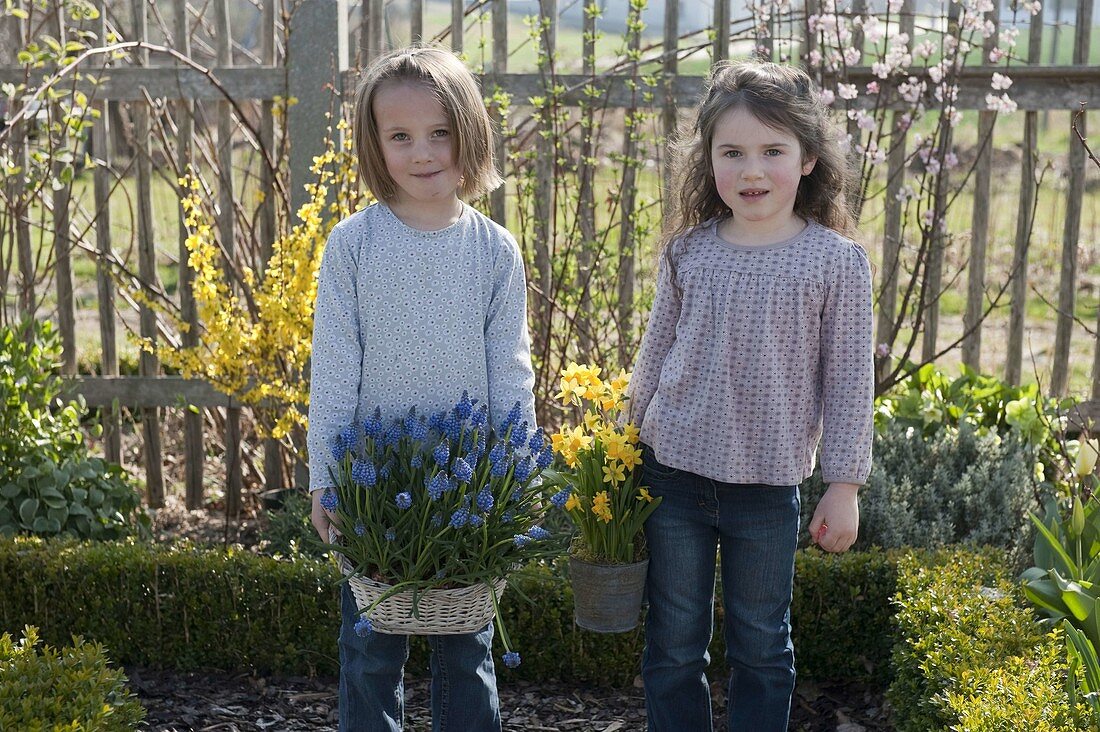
x=601, y=506
x=572, y=503
x=614, y=473
x=592, y=421
x=643, y=495
x=631, y=457
x=632, y=433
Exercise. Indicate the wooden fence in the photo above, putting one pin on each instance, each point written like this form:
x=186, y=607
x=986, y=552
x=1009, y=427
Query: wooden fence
x=306, y=55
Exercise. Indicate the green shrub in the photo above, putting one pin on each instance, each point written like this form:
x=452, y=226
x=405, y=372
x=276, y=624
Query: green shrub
x=955, y=487
x=289, y=531
x=48, y=482
x=191, y=608
x=68, y=690
x=969, y=656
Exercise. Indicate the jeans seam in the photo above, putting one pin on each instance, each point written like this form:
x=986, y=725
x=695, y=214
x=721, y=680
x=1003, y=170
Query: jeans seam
x=444, y=686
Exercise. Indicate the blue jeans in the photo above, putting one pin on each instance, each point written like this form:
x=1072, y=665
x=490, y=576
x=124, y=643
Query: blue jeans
x=372, y=688
x=755, y=527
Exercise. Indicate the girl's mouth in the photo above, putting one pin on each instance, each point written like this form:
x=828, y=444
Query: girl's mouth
x=753, y=194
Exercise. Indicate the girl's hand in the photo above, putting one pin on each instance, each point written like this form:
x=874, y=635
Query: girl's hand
x=319, y=517
x=835, y=524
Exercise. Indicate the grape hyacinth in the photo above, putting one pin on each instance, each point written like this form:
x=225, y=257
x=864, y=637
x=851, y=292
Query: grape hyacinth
x=329, y=501
x=363, y=626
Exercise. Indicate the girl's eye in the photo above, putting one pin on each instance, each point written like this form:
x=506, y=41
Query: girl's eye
x=400, y=137
x=441, y=133
x=773, y=152
x=733, y=153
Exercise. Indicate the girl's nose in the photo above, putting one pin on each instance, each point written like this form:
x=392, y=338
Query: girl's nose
x=422, y=152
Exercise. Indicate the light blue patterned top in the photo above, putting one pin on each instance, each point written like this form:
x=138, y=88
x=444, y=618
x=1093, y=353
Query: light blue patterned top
x=412, y=318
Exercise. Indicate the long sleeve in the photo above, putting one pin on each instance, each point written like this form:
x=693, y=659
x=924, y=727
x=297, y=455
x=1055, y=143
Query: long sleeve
x=847, y=371
x=336, y=364
x=660, y=334
x=507, y=343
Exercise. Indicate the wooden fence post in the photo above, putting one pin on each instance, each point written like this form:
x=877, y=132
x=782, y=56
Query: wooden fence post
x=193, y=453
x=147, y=267
x=316, y=55
x=105, y=285
x=979, y=225
x=1025, y=219
x=498, y=197
x=1067, y=288
x=62, y=234
x=545, y=188
x=628, y=192
x=720, y=51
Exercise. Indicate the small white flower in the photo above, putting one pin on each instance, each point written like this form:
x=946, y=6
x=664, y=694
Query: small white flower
x=1000, y=82
x=846, y=91
x=827, y=97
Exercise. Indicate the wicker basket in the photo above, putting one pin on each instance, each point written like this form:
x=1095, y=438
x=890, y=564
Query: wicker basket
x=442, y=612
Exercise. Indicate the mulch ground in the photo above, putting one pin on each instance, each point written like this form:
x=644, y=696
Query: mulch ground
x=215, y=701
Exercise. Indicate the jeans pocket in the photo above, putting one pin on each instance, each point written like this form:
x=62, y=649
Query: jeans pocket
x=652, y=470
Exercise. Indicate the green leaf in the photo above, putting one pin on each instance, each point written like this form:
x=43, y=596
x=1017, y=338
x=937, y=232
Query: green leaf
x=9, y=490
x=1079, y=602
x=27, y=509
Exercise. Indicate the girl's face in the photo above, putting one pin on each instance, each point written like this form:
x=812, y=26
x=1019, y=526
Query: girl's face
x=417, y=145
x=757, y=170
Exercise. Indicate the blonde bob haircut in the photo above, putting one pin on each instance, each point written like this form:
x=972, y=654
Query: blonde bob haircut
x=442, y=73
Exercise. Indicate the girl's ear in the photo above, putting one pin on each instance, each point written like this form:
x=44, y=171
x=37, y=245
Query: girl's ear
x=808, y=165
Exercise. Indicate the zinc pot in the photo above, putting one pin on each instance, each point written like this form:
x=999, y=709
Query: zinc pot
x=607, y=598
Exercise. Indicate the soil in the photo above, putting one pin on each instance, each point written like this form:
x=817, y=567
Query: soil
x=178, y=701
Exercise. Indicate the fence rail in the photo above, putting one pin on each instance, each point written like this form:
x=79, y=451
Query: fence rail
x=314, y=68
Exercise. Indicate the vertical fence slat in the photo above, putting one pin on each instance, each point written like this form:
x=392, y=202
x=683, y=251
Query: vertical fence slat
x=585, y=193
x=377, y=28
x=457, y=23
x=416, y=20
x=544, y=177
x=17, y=193
x=193, y=465
x=1075, y=194
x=886, y=327
x=669, y=111
x=62, y=235
x=720, y=51
x=105, y=285
x=500, y=67
x=147, y=267
x=979, y=225
x=1028, y=191
x=628, y=193
x=273, y=452
x=227, y=230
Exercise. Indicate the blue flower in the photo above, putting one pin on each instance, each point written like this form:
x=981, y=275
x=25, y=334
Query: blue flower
x=417, y=460
x=360, y=528
x=452, y=427
x=518, y=438
x=521, y=540
x=523, y=469
x=329, y=501
x=390, y=534
x=476, y=521
x=511, y=659
x=345, y=442
x=372, y=426
x=460, y=517
x=508, y=516
x=437, y=485
x=403, y=500
x=517, y=493
x=362, y=472
x=437, y=519
x=485, y=500
x=559, y=499
x=385, y=471
x=498, y=454
x=415, y=427
x=513, y=417
x=545, y=458
x=435, y=421
x=363, y=626
x=465, y=407
x=537, y=440
x=393, y=434
x=480, y=416
x=462, y=470
x=538, y=533
x=441, y=453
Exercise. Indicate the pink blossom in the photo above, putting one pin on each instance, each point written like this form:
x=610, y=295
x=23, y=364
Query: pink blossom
x=882, y=350
x=1002, y=104
x=846, y=91
x=872, y=87
x=827, y=97
x=1000, y=82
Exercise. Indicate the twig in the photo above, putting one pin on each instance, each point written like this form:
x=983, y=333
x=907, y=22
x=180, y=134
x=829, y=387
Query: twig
x=1077, y=131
